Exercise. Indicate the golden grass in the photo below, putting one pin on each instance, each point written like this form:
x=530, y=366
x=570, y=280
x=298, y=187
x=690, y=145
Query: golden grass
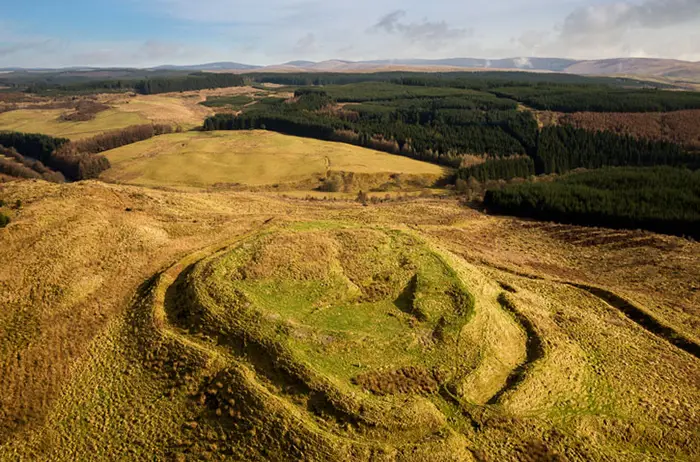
x=94, y=363
x=48, y=122
x=253, y=158
x=181, y=110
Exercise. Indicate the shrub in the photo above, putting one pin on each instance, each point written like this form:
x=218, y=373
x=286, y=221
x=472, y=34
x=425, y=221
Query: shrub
x=4, y=220
x=334, y=183
x=362, y=198
x=85, y=110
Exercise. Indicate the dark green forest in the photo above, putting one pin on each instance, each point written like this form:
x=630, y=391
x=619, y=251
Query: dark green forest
x=505, y=168
x=441, y=118
x=53, y=153
x=36, y=146
x=196, y=81
x=146, y=86
x=438, y=129
x=440, y=125
x=580, y=98
x=561, y=149
x=661, y=199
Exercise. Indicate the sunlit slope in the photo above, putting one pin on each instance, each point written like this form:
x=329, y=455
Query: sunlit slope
x=48, y=122
x=141, y=323
x=255, y=158
x=125, y=110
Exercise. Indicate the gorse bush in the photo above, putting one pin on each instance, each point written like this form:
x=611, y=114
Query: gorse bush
x=4, y=220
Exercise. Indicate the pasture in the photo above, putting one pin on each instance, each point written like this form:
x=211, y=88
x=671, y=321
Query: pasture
x=252, y=158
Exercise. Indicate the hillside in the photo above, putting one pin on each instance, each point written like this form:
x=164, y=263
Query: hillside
x=242, y=326
x=638, y=66
x=314, y=267
x=674, y=70
x=255, y=158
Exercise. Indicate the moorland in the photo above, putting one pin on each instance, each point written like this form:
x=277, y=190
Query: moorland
x=476, y=266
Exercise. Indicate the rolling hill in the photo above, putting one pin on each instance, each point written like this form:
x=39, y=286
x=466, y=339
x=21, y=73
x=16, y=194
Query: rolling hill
x=669, y=68
x=259, y=158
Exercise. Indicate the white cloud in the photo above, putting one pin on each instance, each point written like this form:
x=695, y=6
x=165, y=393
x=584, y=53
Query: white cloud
x=434, y=32
x=282, y=30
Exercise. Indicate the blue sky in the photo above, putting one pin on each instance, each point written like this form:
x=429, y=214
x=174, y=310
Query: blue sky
x=51, y=33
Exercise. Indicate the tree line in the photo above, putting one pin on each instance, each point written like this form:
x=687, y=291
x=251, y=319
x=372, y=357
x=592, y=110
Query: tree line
x=425, y=132
x=195, y=81
x=660, y=199
x=147, y=86
x=564, y=148
x=479, y=80
x=505, y=168
x=14, y=164
x=73, y=160
x=595, y=98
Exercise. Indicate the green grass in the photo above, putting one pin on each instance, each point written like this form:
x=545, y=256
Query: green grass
x=254, y=158
x=349, y=312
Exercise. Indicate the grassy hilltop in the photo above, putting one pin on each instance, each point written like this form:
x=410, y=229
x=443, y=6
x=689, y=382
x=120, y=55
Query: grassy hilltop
x=239, y=325
x=310, y=267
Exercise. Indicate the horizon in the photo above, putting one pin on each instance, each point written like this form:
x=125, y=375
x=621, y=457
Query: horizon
x=379, y=61
x=134, y=34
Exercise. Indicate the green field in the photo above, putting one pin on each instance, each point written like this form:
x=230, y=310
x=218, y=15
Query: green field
x=254, y=158
x=48, y=122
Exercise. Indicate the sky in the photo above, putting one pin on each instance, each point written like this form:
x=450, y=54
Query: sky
x=143, y=33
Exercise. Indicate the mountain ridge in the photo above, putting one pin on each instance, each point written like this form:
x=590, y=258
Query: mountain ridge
x=653, y=67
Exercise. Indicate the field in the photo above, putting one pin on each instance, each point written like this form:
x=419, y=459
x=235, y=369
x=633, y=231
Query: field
x=225, y=325
x=48, y=122
x=253, y=158
x=181, y=109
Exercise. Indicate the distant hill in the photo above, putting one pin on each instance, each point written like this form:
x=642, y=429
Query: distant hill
x=300, y=63
x=638, y=66
x=222, y=66
x=542, y=64
x=666, y=70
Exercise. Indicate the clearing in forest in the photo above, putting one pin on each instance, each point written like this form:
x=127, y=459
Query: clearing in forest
x=252, y=158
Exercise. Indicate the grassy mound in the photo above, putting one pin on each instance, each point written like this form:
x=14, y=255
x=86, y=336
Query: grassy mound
x=255, y=158
x=162, y=325
x=351, y=338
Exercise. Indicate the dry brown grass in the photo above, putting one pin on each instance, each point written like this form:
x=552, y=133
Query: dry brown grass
x=680, y=127
x=81, y=379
